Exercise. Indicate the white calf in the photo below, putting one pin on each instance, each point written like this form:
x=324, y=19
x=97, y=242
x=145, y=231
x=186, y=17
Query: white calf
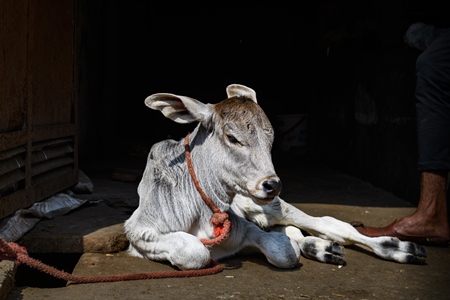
x=231, y=155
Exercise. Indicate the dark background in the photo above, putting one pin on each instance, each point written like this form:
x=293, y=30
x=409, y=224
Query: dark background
x=344, y=63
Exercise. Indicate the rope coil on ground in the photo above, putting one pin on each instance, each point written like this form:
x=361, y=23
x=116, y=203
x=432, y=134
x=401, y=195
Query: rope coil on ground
x=18, y=254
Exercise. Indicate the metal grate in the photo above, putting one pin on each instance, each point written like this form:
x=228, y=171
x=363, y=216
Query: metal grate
x=12, y=170
x=51, y=159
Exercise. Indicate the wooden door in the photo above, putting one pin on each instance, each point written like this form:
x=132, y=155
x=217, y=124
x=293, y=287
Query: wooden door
x=38, y=121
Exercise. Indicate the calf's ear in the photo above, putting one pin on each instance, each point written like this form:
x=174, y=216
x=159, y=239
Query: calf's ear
x=180, y=109
x=241, y=91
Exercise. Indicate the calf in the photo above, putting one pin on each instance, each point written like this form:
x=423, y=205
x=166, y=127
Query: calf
x=230, y=150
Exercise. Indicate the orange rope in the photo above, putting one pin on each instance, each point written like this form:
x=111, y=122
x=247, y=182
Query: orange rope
x=18, y=254
x=222, y=225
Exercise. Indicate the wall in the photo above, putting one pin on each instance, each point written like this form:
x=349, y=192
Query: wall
x=343, y=63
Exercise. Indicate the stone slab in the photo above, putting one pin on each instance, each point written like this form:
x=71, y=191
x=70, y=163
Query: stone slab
x=90, y=228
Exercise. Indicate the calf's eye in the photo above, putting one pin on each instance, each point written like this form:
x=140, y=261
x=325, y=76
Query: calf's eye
x=232, y=139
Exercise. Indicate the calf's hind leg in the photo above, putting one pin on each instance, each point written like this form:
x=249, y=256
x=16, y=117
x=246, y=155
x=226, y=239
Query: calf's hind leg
x=278, y=249
x=182, y=250
x=314, y=247
x=246, y=236
x=274, y=216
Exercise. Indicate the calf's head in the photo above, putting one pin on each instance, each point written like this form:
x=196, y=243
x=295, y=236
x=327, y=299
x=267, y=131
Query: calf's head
x=232, y=142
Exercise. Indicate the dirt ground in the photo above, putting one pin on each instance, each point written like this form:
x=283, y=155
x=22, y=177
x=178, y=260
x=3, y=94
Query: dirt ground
x=315, y=189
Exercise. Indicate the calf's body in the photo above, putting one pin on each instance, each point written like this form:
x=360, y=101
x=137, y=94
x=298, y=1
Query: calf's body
x=231, y=156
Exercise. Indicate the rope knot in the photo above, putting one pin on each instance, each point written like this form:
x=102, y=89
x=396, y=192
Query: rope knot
x=219, y=218
x=218, y=221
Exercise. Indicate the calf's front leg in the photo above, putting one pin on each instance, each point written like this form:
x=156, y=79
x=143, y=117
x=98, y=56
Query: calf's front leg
x=279, y=212
x=330, y=228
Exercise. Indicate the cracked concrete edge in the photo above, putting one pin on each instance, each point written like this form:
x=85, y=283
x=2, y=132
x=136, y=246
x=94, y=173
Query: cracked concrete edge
x=7, y=274
x=109, y=239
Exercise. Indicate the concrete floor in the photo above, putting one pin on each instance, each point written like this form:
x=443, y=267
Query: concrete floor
x=95, y=231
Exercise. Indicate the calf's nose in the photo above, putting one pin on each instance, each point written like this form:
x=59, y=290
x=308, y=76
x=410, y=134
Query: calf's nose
x=272, y=187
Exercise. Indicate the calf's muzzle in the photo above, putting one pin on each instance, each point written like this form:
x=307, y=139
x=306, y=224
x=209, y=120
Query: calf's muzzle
x=272, y=187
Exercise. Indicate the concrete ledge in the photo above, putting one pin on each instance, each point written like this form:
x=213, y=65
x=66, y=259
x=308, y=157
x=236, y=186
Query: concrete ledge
x=93, y=228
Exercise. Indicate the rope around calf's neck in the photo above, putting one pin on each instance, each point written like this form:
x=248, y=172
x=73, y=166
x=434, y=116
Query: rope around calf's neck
x=222, y=225
x=219, y=220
